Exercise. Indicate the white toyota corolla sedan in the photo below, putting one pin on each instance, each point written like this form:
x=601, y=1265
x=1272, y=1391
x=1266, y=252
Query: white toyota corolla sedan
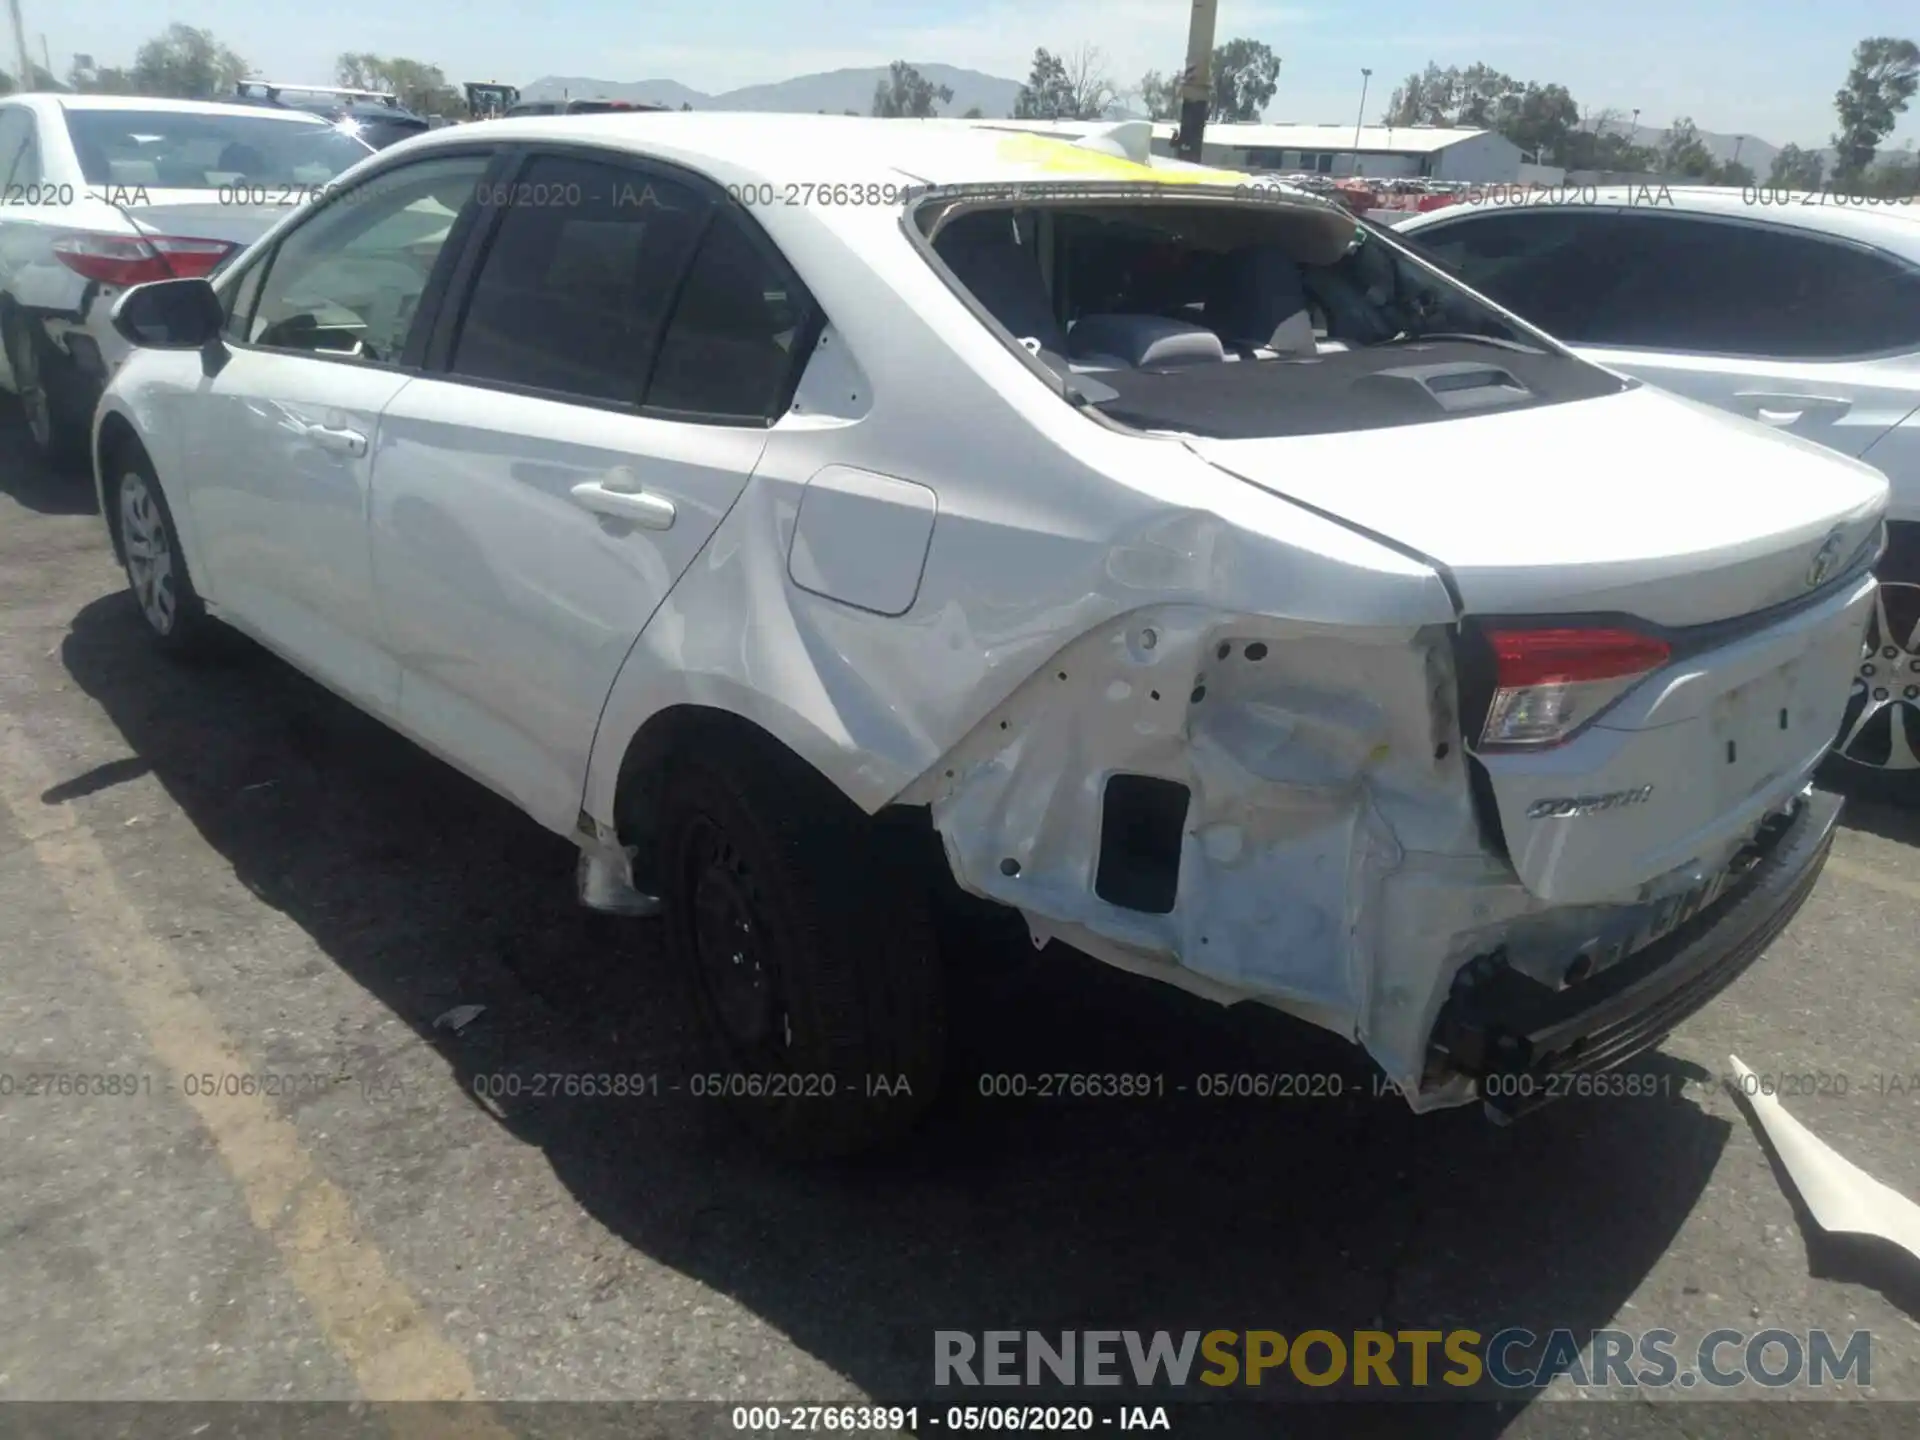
x=753, y=499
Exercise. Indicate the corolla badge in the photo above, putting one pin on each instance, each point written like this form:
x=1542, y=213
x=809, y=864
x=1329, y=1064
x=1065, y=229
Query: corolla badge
x=1567, y=806
x=1825, y=558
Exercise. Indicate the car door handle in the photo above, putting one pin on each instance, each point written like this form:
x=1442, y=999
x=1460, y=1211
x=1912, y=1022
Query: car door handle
x=1785, y=410
x=635, y=506
x=341, y=442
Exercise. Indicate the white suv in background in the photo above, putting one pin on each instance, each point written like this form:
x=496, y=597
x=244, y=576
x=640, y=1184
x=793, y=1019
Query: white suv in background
x=1791, y=309
x=101, y=192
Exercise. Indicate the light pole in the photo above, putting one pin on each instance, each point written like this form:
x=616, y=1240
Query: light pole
x=1196, y=83
x=1366, y=76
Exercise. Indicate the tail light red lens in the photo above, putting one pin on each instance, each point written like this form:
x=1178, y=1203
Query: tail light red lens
x=122, y=260
x=1548, y=683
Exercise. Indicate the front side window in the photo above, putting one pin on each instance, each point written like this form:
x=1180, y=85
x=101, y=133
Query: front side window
x=190, y=150
x=1713, y=287
x=348, y=280
x=578, y=278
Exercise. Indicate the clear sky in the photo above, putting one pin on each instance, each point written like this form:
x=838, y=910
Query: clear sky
x=1761, y=67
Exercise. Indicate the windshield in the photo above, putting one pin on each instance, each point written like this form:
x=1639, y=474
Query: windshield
x=193, y=150
x=1246, y=319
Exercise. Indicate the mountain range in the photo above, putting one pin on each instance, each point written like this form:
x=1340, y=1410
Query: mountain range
x=834, y=91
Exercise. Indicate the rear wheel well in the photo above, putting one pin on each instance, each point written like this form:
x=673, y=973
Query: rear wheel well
x=689, y=729
x=116, y=435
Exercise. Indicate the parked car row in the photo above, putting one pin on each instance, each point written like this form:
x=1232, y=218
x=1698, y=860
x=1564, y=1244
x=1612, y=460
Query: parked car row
x=1038, y=527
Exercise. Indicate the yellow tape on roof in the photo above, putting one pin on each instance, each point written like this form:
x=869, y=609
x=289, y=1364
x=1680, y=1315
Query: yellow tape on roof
x=1050, y=156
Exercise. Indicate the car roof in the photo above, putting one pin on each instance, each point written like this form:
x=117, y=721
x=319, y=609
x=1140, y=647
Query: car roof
x=1893, y=225
x=190, y=107
x=806, y=150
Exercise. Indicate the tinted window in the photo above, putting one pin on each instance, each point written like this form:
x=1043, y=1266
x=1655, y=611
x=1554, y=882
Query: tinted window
x=16, y=135
x=347, y=281
x=730, y=347
x=1541, y=264
x=188, y=150
x=1742, y=289
x=578, y=279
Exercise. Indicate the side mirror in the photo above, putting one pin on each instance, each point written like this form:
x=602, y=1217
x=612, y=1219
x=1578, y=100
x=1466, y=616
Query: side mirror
x=170, y=315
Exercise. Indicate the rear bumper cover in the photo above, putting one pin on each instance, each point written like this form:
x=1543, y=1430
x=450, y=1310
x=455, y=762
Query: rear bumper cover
x=1530, y=1037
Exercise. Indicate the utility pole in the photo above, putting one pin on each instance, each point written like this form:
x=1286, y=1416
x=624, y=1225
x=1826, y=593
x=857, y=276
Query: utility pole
x=1366, y=76
x=21, y=55
x=1196, y=83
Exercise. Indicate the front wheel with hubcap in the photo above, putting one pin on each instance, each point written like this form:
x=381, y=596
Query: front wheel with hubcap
x=156, y=570
x=805, y=932
x=1879, y=744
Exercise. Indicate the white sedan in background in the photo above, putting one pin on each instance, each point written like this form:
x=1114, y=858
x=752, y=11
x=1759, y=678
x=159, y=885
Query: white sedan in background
x=1790, y=308
x=800, y=513
x=102, y=192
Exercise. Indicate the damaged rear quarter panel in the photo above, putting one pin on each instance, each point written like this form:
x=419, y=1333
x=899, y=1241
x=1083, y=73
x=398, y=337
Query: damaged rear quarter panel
x=1319, y=771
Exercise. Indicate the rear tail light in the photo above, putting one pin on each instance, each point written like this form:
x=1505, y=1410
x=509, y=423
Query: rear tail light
x=135, y=259
x=1548, y=683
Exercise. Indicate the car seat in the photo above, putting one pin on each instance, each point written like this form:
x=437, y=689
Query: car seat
x=1257, y=300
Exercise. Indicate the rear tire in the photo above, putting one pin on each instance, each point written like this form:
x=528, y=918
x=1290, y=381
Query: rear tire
x=49, y=391
x=804, y=929
x=175, y=617
x=1878, y=753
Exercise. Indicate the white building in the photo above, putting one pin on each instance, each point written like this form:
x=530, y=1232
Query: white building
x=1381, y=152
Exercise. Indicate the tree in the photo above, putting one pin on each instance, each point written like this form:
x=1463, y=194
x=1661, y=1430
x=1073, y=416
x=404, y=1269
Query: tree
x=1885, y=74
x=1797, y=169
x=907, y=93
x=974, y=112
x=1159, y=95
x=1684, y=153
x=1059, y=89
x=422, y=88
x=186, y=63
x=101, y=80
x=1245, y=73
x=1541, y=121
x=42, y=81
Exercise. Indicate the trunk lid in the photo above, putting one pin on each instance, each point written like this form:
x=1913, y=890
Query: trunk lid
x=199, y=215
x=1639, y=503
x=1640, y=511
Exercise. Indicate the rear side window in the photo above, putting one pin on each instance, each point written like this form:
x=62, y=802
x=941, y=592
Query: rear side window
x=16, y=141
x=730, y=349
x=1543, y=265
x=578, y=279
x=1743, y=289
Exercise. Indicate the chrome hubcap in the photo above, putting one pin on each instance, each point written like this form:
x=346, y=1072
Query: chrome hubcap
x=1882, y=725
x=26, y=383
x=149, y=552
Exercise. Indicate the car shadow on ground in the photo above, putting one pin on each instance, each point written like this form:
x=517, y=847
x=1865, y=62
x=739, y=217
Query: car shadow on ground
x=31, y=481
x=1171, y=1213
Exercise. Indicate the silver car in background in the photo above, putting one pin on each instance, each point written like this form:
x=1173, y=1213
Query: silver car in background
x=1794, y=309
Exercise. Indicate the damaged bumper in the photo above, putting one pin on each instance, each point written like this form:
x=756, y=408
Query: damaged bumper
x=1260, y=812
x=1520, y=1038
